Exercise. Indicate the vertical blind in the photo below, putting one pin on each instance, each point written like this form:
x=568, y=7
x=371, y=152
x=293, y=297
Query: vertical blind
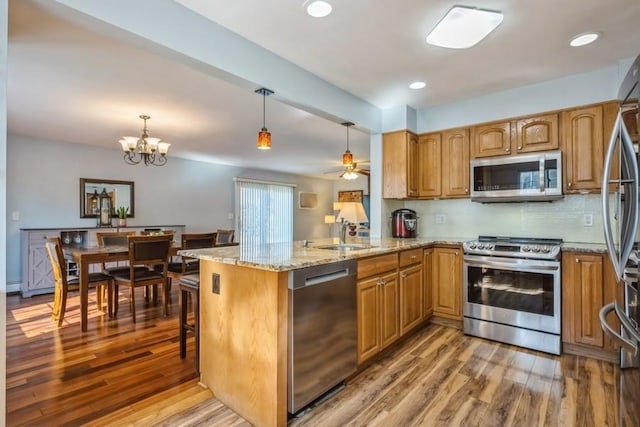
x=264, y=211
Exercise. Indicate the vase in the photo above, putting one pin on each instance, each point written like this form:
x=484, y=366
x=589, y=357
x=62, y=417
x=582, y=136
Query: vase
x=122, y=222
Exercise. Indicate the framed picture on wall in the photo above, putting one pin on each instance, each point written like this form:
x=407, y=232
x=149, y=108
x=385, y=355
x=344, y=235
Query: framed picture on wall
x=307, y=200
x=350, y=196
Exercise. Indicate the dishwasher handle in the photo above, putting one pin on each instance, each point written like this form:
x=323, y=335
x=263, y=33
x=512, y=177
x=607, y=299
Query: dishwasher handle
x=327, y=277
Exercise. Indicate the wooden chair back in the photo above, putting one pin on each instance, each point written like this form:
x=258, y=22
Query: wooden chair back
x=56, y=258
x=114, y=238
x=198, y=240
x=224, y=236
x=149, y=250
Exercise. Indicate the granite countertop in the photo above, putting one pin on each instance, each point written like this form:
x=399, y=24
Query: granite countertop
x=584, y=247
x=292, y=256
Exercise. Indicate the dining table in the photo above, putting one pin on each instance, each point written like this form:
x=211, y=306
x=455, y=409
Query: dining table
x=84, y=256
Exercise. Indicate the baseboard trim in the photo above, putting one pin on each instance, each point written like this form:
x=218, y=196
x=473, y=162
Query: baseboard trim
x=13, y=288
x=591, y=352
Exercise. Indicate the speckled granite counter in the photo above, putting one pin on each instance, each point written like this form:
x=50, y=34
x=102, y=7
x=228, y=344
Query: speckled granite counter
x=584, y=247
x=291, y=256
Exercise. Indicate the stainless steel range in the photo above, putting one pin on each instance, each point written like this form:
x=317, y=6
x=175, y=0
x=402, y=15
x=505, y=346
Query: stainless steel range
x=512, y=291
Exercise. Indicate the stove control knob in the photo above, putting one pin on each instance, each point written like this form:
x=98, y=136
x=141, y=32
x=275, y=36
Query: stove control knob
x=490, y=246
x=546, y=249
x=526, y=249
x=472, y=245
x=535, y=249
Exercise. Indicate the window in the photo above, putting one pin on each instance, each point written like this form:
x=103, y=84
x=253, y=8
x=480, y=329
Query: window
x=264, y=211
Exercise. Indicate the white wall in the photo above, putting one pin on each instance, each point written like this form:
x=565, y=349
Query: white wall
x=43, y=188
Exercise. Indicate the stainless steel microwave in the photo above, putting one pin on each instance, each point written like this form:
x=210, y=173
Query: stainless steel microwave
x=523, y=177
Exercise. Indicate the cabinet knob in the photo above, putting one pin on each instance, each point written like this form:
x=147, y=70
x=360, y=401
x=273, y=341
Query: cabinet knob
x=507, y=149
x=577, y=260
x=466, y=190
x=520, y=147
x=403, y=275
x=569, y=184
x=413, y=257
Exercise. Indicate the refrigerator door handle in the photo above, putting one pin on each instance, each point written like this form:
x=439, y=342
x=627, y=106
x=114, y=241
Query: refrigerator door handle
x=630, y=223
x=626, y=343
x=605, y=194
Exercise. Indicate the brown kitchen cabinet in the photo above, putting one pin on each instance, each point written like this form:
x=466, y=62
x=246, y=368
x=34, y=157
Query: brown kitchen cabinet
x=444, y=164
x=400, y=167
x=430, y=165
x=378, y=303
x=447, y=282
x=411, y=290
x=427, y=283
x=518, y=136
x=585, y=134
x=588, y=283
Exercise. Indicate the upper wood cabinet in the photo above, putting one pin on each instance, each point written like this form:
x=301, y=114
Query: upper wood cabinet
x=585, y=134
x=430, y=165
x=537, y=134
x=492, y=139
x=400, y=167
x=455, y=163
x=524, y=135
x=588, y=282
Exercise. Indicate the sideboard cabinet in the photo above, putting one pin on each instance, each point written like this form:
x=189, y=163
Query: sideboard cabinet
x=37, y=277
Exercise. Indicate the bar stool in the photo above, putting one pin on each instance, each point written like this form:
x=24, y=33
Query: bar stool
x=189, y=285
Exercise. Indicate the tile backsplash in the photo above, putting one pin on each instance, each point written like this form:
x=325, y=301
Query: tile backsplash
x=566, y=218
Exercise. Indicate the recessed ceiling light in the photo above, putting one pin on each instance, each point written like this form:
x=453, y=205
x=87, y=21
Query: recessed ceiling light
x=318, y=9
x=417, y=85
x=583, y=39
x=463, y=27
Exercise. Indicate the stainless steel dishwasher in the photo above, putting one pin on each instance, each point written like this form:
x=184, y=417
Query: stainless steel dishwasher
x=322, y=347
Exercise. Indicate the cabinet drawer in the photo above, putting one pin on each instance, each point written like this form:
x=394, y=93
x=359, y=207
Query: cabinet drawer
x=413, y=256
x=377, y=265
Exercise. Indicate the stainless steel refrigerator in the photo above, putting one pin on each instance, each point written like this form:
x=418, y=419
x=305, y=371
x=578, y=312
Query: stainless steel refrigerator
x=621, y=212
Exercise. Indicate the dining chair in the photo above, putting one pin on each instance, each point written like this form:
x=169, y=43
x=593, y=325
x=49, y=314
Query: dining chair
x=114, y=238
x=188, y=265
x=63, y=283
x=147, y=252
x=224, y=237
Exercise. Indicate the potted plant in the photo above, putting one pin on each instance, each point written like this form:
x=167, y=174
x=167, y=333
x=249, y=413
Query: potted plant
x=122, y=213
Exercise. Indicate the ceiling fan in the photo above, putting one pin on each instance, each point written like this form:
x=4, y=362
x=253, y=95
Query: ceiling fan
x=349, y=167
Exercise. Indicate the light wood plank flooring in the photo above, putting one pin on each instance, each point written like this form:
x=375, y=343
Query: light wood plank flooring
x=121, y=374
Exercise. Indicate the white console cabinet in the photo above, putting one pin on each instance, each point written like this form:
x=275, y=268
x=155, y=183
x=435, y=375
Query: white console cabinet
x=37, y=277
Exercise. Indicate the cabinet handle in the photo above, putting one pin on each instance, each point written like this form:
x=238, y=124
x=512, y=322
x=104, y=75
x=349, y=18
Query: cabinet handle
x=456, y=253
x=403, y=275
x=413, y=257
x=383, y=282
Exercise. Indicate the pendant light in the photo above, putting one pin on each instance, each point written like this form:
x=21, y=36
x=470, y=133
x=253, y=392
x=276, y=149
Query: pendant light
x=264, y=136
x=347, y=158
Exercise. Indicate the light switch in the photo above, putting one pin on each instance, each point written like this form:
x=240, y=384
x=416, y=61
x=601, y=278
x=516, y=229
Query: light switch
x=15, y=216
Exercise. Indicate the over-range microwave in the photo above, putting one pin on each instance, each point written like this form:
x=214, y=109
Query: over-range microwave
x=523, y=177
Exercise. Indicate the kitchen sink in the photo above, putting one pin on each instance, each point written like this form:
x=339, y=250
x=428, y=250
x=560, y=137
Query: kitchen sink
x=345, y=247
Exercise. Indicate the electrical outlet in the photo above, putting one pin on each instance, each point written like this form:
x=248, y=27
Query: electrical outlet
x=587, y=220
x=215, y=283
x=441, y=219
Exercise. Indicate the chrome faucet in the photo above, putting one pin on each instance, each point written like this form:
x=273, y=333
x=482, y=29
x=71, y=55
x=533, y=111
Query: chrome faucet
x=343, y=231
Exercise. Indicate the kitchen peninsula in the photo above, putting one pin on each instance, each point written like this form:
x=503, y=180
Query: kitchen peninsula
x=244, y=318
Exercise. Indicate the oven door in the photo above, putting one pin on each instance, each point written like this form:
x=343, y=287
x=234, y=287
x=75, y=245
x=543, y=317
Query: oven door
x=513, y=291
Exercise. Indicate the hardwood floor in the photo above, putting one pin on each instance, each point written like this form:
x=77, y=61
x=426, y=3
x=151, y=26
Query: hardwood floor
x=124, y=374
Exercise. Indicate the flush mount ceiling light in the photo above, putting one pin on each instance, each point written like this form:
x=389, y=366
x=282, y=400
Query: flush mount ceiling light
x=150, y=151
x=318, y=8
x=463, y=27
x=264, y=136
x=584, y=39
x=417, y=85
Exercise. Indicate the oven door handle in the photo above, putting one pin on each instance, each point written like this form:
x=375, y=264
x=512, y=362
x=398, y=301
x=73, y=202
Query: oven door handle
x=625, y=342
x=509, y=263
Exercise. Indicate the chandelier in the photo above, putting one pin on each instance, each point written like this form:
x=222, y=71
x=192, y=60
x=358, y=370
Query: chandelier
x=150, y=151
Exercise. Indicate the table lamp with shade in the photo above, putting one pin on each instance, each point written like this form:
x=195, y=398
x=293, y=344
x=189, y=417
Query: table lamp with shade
x=351, y=214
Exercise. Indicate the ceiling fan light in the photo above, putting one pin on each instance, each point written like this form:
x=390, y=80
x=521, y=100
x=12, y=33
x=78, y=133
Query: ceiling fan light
x=463, y=27
x=349, y=175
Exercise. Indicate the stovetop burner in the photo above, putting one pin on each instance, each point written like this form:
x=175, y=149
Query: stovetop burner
x=515, y=247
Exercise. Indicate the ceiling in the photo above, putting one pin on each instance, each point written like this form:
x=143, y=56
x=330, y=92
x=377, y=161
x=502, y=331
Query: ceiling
x=81, y=84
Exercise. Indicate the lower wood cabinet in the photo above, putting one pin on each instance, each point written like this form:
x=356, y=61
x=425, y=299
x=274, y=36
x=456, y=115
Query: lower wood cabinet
x=427, y=283
x=588, y=283
x=411, y=290
x=447, y=282
x=378, y=299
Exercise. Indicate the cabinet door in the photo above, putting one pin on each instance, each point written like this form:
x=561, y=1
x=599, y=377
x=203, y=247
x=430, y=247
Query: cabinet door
x=584, y=145
x=583, y=296
x=413, y=169
x=389, y=309
x=447, y=283
x=411, y=298
x=368, y=301
x=455, y=158
x=40, y=272
x=493, y=139
x=427, y=283
x=537, y=134
x=430, y=165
